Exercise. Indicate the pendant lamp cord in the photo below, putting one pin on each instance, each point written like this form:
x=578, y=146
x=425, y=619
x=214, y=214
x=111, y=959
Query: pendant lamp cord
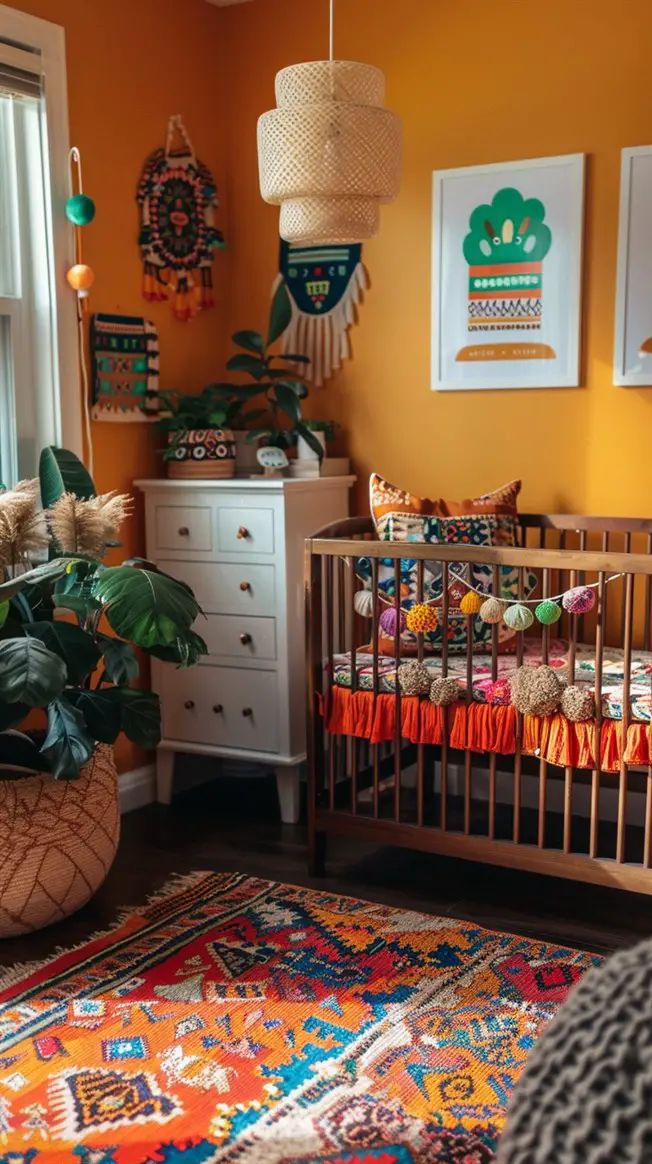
x=331, y=30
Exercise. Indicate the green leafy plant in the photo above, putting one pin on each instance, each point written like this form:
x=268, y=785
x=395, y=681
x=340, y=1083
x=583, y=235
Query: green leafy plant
x=277, y=387
x=54, y=654
x=209, y=408
x=325, y=426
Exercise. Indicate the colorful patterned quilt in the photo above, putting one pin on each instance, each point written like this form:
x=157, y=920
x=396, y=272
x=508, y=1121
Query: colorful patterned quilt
x=612, y=673
x=238, y=1021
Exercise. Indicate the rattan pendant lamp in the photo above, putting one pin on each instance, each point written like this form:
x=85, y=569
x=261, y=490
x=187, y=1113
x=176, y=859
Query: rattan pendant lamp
x=330, y=154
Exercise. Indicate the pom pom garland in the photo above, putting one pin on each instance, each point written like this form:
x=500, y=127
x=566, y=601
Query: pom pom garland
x=414, y=678
x=536, y=690
x=518, y=617
x=363, y=603
x=547, y=612
x=80, y=210
x=81, y=278
x=577, y=704
x=388, y=621
x=421, y=618
x=471, y=603
x=443, y=692
x=579, y=600
x=492, y=611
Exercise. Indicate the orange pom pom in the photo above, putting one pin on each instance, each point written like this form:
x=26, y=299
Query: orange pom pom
x=471, y=603
x=421, y=618
x=81, y=278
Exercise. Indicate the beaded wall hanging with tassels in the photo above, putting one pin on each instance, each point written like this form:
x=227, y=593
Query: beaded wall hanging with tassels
x=177, y=196
x=325, y=284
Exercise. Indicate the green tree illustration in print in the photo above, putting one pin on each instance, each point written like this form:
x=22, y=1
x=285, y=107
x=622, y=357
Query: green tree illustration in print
x=507, y=242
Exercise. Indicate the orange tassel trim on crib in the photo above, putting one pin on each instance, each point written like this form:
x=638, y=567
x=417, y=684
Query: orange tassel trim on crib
x=484, y=727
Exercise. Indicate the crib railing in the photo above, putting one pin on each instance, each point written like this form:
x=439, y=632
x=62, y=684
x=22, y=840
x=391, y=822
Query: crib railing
x=515, y=809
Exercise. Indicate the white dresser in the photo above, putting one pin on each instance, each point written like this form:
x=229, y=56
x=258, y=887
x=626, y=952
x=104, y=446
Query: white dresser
x=240, y=545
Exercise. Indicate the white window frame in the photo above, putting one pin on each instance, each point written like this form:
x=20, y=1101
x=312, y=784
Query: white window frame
x=30, y=32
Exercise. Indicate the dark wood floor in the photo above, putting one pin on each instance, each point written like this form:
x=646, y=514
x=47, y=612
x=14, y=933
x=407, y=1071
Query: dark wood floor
x=234, y=826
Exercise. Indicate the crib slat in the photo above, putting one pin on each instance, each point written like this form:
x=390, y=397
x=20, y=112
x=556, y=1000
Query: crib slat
x=468, y=758
x=397, y=690
x=375, y=755
x=543, y=765
x=353, y=626
x=647, y=836
x=627, y=670
x=568, y=770
x=596, y=774
x=647, y=624
x=518, y=756
x=330, y=619
x=443, y=768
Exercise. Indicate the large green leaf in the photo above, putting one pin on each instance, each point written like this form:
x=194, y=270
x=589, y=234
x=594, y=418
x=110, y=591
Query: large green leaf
x=251, y=340
x=5, y=607
x=249, y=364
x=60, y=471
x=185, y=650
x=20, y=751
x=141, y=715
x=309, y=437
x=46, y=573
x=144, y=606
x=287, y=400
x=120, y=661
x=29, y=672
x=280, y=313
x=72, y=644
x=102, y=712
x=68, y=744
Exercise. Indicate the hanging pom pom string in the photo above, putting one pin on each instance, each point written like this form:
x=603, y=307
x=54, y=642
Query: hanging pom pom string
x=471, y=603
x=518, y=617
x=579, y=600
x=80, y=212
x=389, y=620
x=491, y=611
x=548, y=612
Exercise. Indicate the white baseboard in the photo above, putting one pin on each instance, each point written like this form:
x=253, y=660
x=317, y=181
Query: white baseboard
x=137, y=788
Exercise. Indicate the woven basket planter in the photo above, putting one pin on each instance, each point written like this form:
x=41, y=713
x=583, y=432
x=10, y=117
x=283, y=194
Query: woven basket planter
x=58, y=839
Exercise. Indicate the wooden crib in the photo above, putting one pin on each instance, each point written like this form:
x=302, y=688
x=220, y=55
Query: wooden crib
x=572, y=801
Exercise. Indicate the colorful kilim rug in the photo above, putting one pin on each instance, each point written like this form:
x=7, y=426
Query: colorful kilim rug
x=237, y=1020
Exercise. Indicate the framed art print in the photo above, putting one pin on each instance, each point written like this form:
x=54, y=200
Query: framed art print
x=506, y=278
x=633, y=347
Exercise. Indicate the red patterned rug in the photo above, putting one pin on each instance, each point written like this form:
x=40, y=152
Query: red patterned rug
x=237, y=1020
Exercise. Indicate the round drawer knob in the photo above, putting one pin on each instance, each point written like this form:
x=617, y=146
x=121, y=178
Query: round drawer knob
x=217, y=708
x=245, y=585
x=189, y=704
x=243, y=532
x=247, y=712
x=245, y=639
x=183, y=531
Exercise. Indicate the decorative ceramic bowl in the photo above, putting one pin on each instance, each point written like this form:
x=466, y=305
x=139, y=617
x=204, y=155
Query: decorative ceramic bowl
x=202, y=453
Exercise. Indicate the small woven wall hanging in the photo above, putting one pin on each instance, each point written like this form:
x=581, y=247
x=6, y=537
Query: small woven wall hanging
x=177, y=196
x=125, y=368
x=326, y=284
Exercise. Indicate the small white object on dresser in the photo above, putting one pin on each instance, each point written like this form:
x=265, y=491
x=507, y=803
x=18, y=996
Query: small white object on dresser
x=240, y=545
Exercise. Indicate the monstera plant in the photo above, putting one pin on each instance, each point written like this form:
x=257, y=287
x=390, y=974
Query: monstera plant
x=69, y=624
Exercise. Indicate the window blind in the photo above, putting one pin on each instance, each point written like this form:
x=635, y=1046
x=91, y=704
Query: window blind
x=20, y=72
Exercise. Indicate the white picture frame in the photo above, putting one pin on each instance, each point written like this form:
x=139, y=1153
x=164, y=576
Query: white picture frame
x=525, y=334
x=633, y=330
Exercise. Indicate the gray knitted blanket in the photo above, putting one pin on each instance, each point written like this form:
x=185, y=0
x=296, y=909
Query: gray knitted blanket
x=585, y=1096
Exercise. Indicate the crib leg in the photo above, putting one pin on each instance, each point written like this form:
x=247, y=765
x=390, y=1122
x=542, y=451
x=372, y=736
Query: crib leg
x=317, y=853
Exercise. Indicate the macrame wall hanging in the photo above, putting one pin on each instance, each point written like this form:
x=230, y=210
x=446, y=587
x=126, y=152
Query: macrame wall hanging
x=125, y=353
x=177, y=196
x=325, y=284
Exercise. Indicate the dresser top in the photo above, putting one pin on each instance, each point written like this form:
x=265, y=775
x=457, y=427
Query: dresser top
x=238, y=484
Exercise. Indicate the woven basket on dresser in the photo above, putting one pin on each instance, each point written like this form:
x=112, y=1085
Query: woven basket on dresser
x=58, y=839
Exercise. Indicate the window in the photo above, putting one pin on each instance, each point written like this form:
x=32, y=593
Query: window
x=39, y=386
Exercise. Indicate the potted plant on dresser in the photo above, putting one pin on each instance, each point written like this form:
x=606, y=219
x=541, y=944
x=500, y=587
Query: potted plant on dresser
x=68, y=628
x=201, y=442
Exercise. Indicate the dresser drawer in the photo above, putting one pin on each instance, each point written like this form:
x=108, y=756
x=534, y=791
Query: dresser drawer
x=245, y=531
x=222, y=588
x=221, y=706
x=180, y=527
x=240, y=637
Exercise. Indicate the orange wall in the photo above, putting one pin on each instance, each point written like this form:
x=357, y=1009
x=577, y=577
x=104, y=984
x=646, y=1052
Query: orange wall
x=474, y=82
x=132, y=63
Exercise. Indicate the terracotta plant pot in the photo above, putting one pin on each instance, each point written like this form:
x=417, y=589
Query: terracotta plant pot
x=203, y=453
x=58, y=839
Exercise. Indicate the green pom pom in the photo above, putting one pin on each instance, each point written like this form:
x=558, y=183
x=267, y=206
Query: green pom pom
x=548, y=612
x=518, y=617
x=80, y=210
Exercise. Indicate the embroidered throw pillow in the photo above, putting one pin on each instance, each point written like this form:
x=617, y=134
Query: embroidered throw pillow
x=489, y=520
